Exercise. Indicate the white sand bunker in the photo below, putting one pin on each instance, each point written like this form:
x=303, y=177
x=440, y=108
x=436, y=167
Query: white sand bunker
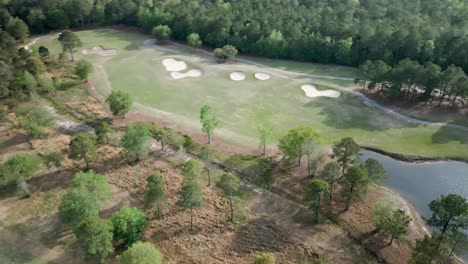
x=100, y=50
x=311, y=91
x=174, y=65
x=192, y=73
x=237, y=76
x=262, y=76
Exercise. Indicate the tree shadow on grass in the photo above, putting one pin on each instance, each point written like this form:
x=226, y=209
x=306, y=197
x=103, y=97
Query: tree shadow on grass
x=446, y=134
x=349, y=112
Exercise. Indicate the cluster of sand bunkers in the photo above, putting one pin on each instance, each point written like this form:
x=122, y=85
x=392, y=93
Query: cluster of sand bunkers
x=176, y=68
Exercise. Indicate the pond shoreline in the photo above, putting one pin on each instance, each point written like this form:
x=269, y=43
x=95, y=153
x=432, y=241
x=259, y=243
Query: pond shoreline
x=413, y=158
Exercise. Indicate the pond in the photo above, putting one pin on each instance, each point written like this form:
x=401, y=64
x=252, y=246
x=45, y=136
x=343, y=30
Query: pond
x=422, y=182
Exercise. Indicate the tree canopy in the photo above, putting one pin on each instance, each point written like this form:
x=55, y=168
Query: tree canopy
x=129, y=223
x=141, y=253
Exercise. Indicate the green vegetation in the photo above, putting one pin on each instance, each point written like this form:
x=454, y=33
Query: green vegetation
x=194, y=40
x=209, y=122
x=11, y=254
x=83, y=147
x=141, y=253
x=119, y=103
x=134, y=141
x=390, y=222
x=316, y=191
x=155, y=196
x=82, y=69
x=292, y=145
x=95, y=236
x=70, y=42
x=230, y=184
x=77, y=205
x=266, y=258
x=225, y=53
x=161, y=33
x=355, y=183
x=95, y=183
x=129, y=223
x=191, y=196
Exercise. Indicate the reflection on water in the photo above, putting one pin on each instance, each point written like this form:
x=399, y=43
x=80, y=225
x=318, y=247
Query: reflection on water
x=420, y=183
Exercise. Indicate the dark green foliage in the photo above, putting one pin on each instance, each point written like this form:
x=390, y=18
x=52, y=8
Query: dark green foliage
x=135, y=140
x=95, y=237
x=119, y=103
x=17, y=29
x=389, y=222
x=375, y=170
x=225, y=53
x=141, y=253
x=209, y=122
x=230, y=184
x=194, y=40
x=449, y=213
x=103, y=129
x=354, y=185
x=19, y=168
x=188, y=144
x=70, y=42
x=77, y=205
x=317, y=189
x=191, y=170
x=292, y=145
x=346, y=152
x=95, y=183
x=330, y=174
x=83, y=147
x=162, y=32
x=155, y=195
x=428, y=250
x=129, y=223
x=82, y=69
x=191, y=196
x=57, y=19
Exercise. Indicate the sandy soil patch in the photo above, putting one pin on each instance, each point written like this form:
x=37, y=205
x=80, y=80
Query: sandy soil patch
x=311, y=91
x=237, y=76
x=195, y=73
x=174, y=65
x=101, y=51
x=262, y=76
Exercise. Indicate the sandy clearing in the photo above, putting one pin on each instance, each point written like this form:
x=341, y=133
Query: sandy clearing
x=100, y=50
x=311, y=91
x=237, y=76
x=262, y=76
x=195, y=73
x=174, y=65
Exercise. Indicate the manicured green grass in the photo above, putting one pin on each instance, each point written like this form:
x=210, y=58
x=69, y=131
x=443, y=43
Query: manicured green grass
x=11, y=255
x=278, y=103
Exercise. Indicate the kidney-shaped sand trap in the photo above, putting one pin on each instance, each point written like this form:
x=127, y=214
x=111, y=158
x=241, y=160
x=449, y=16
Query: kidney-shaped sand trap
x=262, y=76
x=173, y=65
x=237, y=76
x=311, y=91
x=192, y=73
x=100, y=51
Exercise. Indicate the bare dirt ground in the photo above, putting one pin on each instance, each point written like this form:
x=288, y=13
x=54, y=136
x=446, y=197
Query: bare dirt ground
x=32, y=224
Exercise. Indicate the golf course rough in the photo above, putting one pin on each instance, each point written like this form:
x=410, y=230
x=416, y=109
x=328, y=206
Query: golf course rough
x=243, y=106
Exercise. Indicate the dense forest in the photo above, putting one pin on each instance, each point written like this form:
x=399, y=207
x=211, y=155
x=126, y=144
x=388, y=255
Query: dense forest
x=326, y=31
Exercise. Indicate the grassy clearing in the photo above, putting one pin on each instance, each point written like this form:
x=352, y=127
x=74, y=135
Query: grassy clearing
x=278, y=104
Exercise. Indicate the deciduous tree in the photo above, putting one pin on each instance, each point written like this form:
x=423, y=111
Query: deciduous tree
x=194, y=40
x=83, y=147
x=330, y=174
x=94, y=235
x=207, y=155
x=95, y=183
x=135, y=141
x=230, y=184
x=82, y=69
x=375, y=170
x=119, y=103
x=317, y=189
x=345, y=151
x=355, y=183
x=162, y=32
x=209, y=121
x=141, y=253
x=292, y=145
x=191, y=197
x=77, y=205
x=70, y=42
x=129, y=223
x=155, y=195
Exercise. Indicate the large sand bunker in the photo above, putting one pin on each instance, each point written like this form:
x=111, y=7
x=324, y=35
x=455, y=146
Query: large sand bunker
x=174, y=65
x=237, y=76
x=311, y=91
x=262, y=76
x=100, y=51
x=192, y=73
